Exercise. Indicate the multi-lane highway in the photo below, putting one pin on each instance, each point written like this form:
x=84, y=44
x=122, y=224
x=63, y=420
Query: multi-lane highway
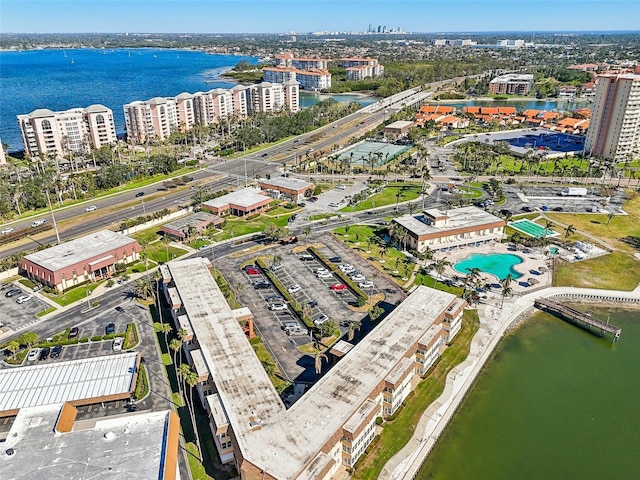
x=217, y=175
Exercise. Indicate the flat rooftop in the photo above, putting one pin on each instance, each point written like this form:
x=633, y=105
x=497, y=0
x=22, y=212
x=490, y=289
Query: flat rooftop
x=284, y=442
x=400, y=124
x=57, y=382
x=245, y=197
x=79, y=250
x=192, y=220
x=287, y=182
x=133, y=446
x=458, y=218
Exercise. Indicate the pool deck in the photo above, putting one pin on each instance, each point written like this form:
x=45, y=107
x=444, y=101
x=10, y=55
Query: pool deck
x=532, y=261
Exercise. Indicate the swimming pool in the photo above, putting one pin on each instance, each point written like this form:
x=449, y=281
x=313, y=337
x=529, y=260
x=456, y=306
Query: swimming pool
x=532, y=229
x=498, y=264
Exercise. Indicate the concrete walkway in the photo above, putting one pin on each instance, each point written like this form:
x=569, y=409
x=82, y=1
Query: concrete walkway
x=494, y=322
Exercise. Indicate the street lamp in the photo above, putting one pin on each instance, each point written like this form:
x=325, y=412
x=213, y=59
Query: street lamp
x=144, y=210
x=88, y=292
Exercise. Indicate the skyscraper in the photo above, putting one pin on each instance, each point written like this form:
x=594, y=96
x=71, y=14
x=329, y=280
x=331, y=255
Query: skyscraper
x=615, y=123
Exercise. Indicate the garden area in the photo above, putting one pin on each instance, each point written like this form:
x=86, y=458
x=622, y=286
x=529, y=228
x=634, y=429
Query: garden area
x=392, y=193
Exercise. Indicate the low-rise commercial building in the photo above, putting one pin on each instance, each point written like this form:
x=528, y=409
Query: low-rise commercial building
x=53, y=441
x=241, y=203
x=77, y=130
x=334, y=422
x=511, y=84
x=80, y=382
x=85, y=259
x=442, y=231
x=195, y=223
x=293, y=189
x=398, y=128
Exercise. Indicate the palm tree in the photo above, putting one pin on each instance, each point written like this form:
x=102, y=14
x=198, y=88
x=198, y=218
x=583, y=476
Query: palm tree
x=142, y=288
x=306, y=231
x=568, y=231
x=191, y=378
x=353, y=326
x=610, y=216
x=28, y=339
x=175, y=345
x=439, y=266
x=471, y=278
x=318, y=361
x=165, y=328
x=13, y=346
x=506, y=288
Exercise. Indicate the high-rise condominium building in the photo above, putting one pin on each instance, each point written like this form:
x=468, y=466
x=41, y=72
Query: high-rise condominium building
x=76, y=130
x=158, y=117
x=614, y=131
x=274, y=97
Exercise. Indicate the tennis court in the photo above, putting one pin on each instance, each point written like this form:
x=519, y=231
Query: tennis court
x=379, y=152
x=532, y=229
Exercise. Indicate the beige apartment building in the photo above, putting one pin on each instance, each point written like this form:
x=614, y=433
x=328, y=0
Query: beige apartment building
x=311, y=79
x=158, y=117
x=274, y=97
x=614, y=131
x=333, y=423
x=511, y=84
x=77, y=130
x=359, y=68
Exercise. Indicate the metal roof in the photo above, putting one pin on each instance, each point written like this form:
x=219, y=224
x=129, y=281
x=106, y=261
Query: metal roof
x=290, y=183
x=89, y=247
x=56, y=382
x=130, y=446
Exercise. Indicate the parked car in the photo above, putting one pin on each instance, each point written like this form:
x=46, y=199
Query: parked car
x=321, y=270
x=336, y=287
x=544, y=208
x=12, y=292
x=294, y=288
x=558, y=209
x=306, y=257
x=92, y=208
x=56, y=351
x=34, y=353
x=274, y=298
x=358, y=278
x=311, y=303
x=527, y=208
x=277, y=307
x=4, y=231
x=119, y=309
x=44, y=353
x=24, y=298
x=276, y=266
x=37, y=223
x=117, y=344
x=324, y=275
x=320, y=320
x=73, y=333
x=252, y=271
x=247, y=267
x=261, y=284
x=38, y=287
x=366, y=285
x=110, y=328
x=139, y=194
x=346, y=267
x=335, y=259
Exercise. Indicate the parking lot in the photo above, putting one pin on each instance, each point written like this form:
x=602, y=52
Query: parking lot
x=15, y=315
x=299, y=275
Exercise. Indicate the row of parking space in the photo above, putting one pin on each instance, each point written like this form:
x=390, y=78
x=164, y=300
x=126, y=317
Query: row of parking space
x=74, y=352
x=18, y=305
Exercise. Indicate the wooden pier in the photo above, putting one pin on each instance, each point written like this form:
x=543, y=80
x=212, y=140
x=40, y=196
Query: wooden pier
x=579, y=318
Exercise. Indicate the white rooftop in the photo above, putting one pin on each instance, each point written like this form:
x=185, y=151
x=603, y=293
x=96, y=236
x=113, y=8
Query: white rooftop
x=133, y=448
x=79, y=250
x=286, y=442
x=244, y=197
x=458, y=218
x=400, y=124
x=287, y=182
x=513, y=77
x=56, y=382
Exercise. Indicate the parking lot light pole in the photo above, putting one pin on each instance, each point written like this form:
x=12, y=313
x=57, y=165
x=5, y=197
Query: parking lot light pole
x=88, y=292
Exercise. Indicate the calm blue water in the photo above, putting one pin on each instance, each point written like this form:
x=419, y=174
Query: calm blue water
x=519, y=104
x=307, y=99
x=62, y=79
x=499, y=264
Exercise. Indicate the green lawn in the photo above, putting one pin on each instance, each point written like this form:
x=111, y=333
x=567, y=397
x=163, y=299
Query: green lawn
x=617, y=271
x=46, y=311
x=428, y=280
x=160, y=253
x=147, y=236
x=389, y=196
x=236, y=227
x=72, y=295
x=396, y=434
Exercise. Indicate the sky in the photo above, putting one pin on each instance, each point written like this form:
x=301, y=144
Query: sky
x=255, y=16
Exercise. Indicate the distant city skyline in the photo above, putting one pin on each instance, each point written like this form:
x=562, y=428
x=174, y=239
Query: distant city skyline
x=254, y=16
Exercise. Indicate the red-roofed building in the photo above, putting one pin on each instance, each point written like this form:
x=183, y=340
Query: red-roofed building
x=441, y=109
x=582, y=113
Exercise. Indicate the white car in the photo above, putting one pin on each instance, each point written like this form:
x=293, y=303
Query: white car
x=4, y=231
x=24, y=298
x=294, y=288
x=117, y=344
x=358, y=278
x=37, y=223
x=33, y=355
x=92, y=208
x=320, y=320
x=277, y=307
x=366, y=285
x=346, y=266
x=322, y=270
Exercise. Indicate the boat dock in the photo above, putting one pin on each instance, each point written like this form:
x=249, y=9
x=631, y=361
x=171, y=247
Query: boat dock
x=579, y=318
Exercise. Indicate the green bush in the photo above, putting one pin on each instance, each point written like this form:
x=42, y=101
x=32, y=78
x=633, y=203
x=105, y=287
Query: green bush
x=379, y=421
x=108, y=337
x=96, y=338
x=142, y=384
x=84, y=340
x=130, y=337
x=255, y=341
